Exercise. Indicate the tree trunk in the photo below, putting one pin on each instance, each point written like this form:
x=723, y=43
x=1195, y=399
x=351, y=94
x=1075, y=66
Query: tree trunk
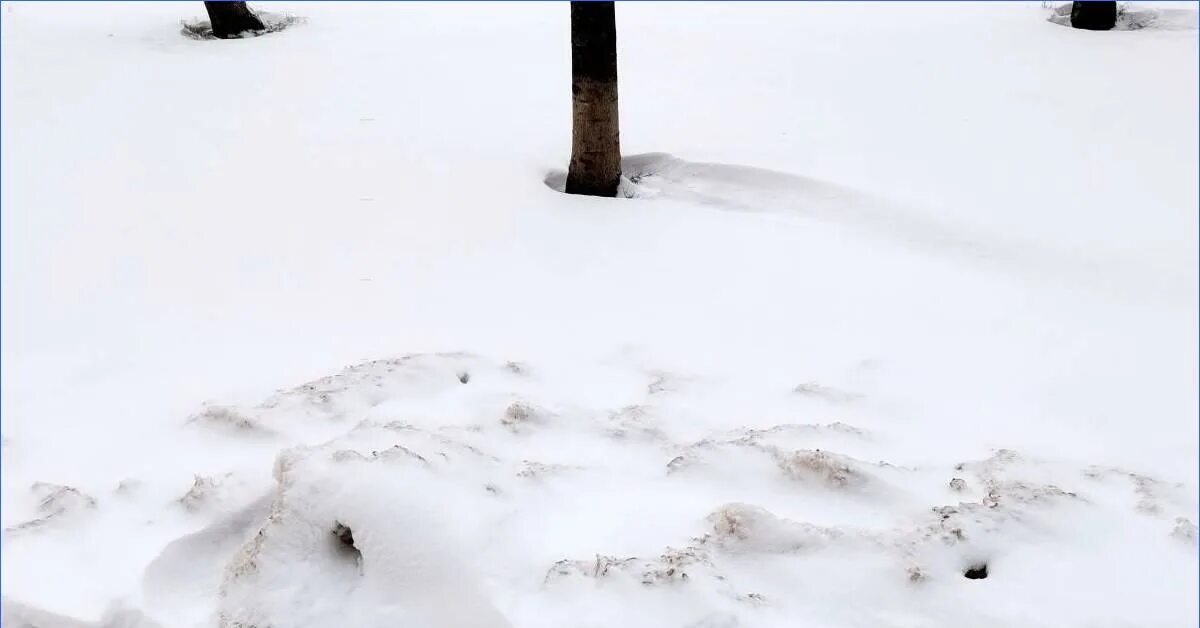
x=230, y=19
x=595, y=133
x=1094, y=16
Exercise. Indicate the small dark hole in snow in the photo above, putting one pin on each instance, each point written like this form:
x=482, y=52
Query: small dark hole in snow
x=345, y=537
x=976, y=572
x=464, y=377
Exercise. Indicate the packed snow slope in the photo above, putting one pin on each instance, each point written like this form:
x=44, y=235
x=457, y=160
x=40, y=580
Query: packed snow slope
x=297, y=331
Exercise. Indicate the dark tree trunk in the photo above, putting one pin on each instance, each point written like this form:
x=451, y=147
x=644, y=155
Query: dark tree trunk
x=1094, y=16
x=595, y=133
x=230, y=19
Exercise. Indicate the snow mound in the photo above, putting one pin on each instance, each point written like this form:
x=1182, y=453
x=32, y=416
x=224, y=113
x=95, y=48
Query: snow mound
x=456, y=490
x=747, y=529
x=192, y=567
x=742, y=188
x=811, y=467
x=56, y=504
x=348, y=542
x=17, y=615
x=347, y=397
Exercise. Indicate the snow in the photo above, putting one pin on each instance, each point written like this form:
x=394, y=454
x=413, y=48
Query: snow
x=902, y=289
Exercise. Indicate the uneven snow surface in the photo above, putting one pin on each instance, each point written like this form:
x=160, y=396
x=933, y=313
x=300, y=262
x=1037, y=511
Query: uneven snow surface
x=297, y=331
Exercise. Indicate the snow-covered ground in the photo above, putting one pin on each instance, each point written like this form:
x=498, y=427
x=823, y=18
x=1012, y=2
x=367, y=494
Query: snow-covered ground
x=903, y=290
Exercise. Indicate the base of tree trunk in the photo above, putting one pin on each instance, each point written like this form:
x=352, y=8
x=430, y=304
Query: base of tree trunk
x=593, y=188
x=231, y=19
x=1094, y=16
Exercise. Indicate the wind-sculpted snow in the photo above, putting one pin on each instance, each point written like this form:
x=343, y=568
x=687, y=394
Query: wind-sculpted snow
x=893, y=325
x=487, y=518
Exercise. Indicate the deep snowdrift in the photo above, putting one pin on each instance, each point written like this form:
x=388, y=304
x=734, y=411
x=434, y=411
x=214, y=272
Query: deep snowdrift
x=901, y=292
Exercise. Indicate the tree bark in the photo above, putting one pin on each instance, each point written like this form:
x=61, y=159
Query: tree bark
x=595, y=132
x=1094, y=16
x=230, y=19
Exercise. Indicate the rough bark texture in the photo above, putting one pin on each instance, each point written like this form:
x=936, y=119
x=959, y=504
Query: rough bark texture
x=595, y=133
x=230, y=19
x=1094, y=16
